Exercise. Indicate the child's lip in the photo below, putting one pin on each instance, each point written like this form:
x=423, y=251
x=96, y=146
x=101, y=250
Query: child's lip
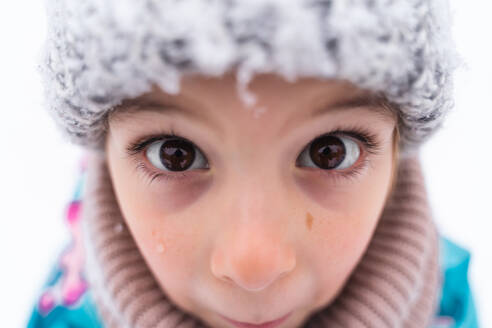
x=266, y=324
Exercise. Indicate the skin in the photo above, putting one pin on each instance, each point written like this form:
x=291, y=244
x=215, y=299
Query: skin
x=253, y=236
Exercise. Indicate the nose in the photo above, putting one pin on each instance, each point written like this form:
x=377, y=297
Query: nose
x=254, y=250
x=252, y=259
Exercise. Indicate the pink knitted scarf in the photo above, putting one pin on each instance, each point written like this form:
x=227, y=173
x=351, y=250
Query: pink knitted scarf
x=395, y=284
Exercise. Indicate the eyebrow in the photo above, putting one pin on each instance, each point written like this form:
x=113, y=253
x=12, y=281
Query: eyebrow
x=130, y=106
x=150, y=104
x=377, y=103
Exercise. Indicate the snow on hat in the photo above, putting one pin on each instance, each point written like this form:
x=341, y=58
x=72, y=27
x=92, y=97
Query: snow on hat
x=100, y=52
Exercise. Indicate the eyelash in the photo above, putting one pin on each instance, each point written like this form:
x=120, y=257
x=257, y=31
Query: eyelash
x=370, y=142
x=134, y=148
x=371, y=147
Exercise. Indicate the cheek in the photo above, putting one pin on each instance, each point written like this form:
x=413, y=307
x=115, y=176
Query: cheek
x=171, y=251
x=337, y=243
x=339, y=240
x=167, y=239
x=340, y=228
x=336, y=252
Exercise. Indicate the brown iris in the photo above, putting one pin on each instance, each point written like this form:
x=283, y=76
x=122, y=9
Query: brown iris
x=177, y=154
x=327, y=152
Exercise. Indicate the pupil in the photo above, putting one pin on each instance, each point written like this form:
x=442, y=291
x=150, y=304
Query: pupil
x=327, y=152
x=177, y=155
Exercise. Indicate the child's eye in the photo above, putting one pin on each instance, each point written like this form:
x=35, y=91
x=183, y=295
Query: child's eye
x=330, y=152
x=175, y=154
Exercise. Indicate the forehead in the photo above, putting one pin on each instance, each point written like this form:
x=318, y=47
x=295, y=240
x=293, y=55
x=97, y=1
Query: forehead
x=203, y=97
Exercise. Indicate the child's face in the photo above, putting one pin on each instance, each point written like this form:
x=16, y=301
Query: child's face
x=243, y=221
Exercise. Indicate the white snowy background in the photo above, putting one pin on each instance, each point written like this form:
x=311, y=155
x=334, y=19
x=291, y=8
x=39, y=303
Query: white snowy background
x=37, y=167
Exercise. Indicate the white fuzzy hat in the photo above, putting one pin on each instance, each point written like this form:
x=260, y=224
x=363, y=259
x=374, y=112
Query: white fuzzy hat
x=100, y=52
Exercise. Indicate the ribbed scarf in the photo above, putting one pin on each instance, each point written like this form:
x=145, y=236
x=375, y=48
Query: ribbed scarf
x=395, y=284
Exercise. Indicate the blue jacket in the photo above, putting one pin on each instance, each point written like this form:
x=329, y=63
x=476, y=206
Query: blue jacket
x=456, y=310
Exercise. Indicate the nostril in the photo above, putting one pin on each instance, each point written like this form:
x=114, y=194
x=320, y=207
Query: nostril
x=283, y=274
x=227, y=279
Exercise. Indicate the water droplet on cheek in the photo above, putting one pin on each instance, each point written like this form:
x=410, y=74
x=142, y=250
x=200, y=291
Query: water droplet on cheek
x=160, y=248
